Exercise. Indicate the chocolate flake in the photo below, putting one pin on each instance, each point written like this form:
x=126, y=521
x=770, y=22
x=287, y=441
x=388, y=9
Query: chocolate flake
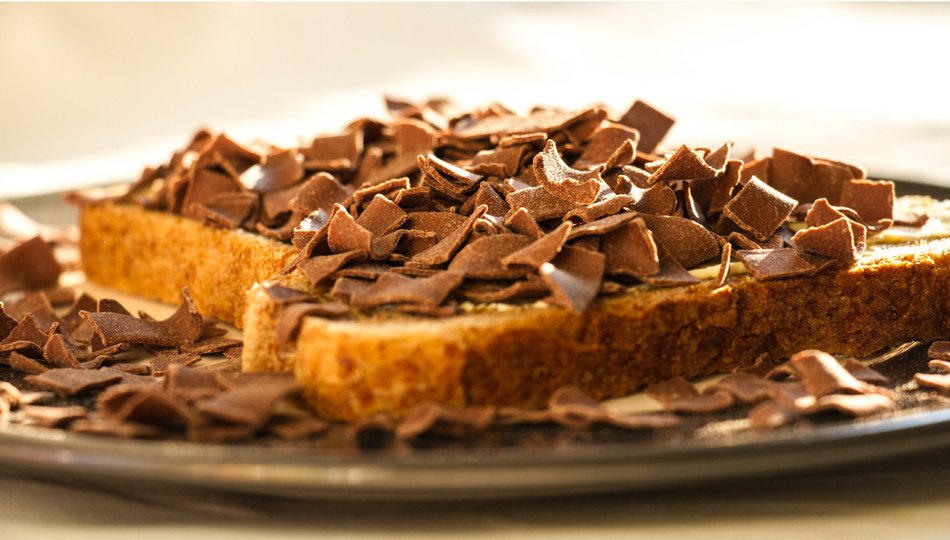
x=659, y=199
x=433, y=419
x=53, y=417
x=765, y=264
x=251, y=405
x=822, y=374
x=291, y=316
x=443, y=251
x=29, y=265
x=759, y=209
x=631, y=251
x=580, y=187
x=182, y=327
x=671, y=274
x=319, y=268
x=574, y=277
x=835, y=240
x=684, y=164
x=678, y=395
x=25, y=364
x=939, y=350
x=872, y=200
x=484, y=258
x=652, y=124
x=73, y=381
x=541, y=250
x=687, y=241
x=394, y=288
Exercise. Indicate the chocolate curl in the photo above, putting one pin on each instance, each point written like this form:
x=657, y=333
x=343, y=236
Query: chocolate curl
x=183, y=327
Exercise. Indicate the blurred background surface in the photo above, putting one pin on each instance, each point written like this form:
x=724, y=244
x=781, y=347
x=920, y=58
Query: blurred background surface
x=90, y=93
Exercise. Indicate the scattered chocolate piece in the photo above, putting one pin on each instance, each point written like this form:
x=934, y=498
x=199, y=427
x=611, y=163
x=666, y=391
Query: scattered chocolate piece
x=29, y=265
x=393, y=288
x=58, y=354
x=319, y=268
x=25, y=364
x=678, y=395
x=612, y=145
x=72, y=381
x=863, y=372
x=772, y=414
x=724, y=265
x=939, y=350
x=433, y=419
x=671, y=274
x=53, y=417
x=158, y=365
x=744, y=387
x=143, y=404
x=484, y=258
x=183, y=327
x=822, y=374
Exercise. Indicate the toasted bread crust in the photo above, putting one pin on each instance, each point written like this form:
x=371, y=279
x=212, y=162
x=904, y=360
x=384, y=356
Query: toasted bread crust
x=519, y=355
x=352, y=369
x=155, y=254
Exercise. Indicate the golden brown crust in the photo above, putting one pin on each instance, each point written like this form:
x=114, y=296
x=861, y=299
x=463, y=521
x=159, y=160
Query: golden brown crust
x=155, y=254
x=519, y=357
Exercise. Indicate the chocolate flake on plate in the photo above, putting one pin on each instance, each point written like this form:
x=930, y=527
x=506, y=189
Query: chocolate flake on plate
x=678, y=395
x=72, y=381
x=182, y=327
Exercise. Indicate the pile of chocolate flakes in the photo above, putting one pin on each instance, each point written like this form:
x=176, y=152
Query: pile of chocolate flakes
x=437, y=207
x=72, y=362
x=92, y=367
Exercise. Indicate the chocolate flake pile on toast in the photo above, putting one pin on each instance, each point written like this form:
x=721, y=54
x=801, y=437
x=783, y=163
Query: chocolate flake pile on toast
x=438, y=207
x=92, y=367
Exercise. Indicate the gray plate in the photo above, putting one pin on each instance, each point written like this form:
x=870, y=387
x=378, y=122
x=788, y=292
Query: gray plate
x=544, y=462
x=305, y=473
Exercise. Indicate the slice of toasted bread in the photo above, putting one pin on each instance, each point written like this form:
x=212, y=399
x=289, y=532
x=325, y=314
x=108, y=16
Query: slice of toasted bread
x=518, y=355
x=155, y=254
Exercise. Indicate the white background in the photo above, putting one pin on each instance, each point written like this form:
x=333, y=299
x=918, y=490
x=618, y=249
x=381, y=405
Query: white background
x=91, y=93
